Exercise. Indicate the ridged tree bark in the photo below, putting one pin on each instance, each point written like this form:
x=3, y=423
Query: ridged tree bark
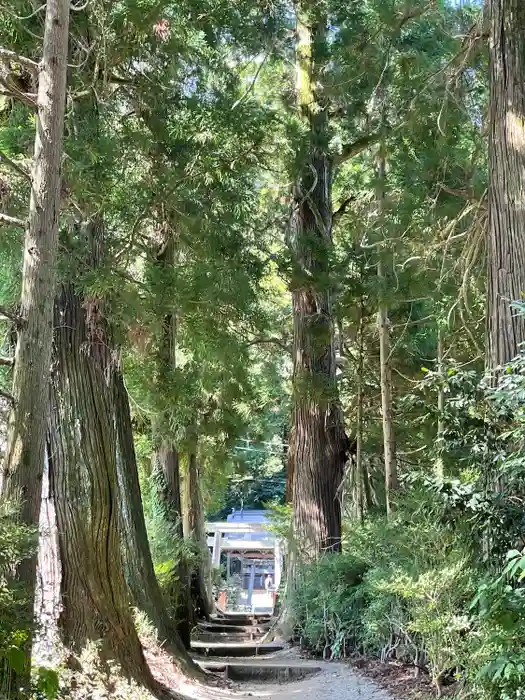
x=317, y=443
x=24, y=459
x=385, y=361
x=195, y=531
x=290, y=470
x=84, y=476
x=506, y=229
x=83, y=472
x=138, y=565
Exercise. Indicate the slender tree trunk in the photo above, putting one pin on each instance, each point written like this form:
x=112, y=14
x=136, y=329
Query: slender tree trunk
x=365, y=494
x=138, y=565
x=506, y=230
x=440, y=406
x=166, y=457
x=24, y=460
x=195, y=531
x=317, y=448
x=383, y=323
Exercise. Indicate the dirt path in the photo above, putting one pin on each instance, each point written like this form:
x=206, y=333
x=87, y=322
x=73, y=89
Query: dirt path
x=327, y=681
x=335, y=681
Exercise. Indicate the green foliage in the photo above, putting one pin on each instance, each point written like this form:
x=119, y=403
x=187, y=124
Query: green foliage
x=401, y=590
x=328, y=603
x=498, y=668
x=16, y=543
x=47, y=682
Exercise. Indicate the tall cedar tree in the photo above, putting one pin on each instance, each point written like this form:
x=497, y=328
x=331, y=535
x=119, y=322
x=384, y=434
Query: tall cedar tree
x=83, y=439
x=24, y=460
x=317, y=450
x=166, y=454
x=506, y=232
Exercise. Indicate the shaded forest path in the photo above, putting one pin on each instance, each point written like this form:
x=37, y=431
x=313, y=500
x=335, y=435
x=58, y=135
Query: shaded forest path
x=231, y=646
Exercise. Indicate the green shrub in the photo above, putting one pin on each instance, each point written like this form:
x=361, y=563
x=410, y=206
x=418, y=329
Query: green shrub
x=498, y=662
x=327, y=604
x=16, y=543
x=401, y=590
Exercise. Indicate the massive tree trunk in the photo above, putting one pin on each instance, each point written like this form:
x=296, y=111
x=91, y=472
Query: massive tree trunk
x=385, y=360
x=195, y=531
x=24, y=460
x=138, y=564
x=290, y=469
x=506, y=233
x=84, y=477
x=317, y=443
x=83, y=472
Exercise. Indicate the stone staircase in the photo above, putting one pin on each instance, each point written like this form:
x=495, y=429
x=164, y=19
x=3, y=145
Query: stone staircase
x=231, y=645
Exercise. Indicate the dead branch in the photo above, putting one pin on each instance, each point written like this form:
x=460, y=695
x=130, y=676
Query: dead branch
x=12, y=57
x=12, y=221
x=12, y=164
x=9, y=397
x=11, y=315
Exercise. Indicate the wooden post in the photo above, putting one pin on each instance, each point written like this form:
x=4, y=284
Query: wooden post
x=278, y=564
x=251, y=584
x=216, y=556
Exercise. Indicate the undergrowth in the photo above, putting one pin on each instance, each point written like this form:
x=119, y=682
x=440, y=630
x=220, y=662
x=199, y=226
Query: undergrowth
x=413, y=590
x=17, y=542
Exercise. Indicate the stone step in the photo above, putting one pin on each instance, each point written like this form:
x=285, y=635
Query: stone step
x=236, y=638
x=232, y=629
x=227, y=649
x=261, y=672
x=242, y=620
x=233, y=614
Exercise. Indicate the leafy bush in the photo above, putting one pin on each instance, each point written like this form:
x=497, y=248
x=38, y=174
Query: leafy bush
x=402, y=590
x=16, y=543
x=500, y=634
x=327, y=604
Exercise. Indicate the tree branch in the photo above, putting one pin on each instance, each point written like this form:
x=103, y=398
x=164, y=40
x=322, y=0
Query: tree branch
x=341, y=209
x=11, y=221
x=414, y=13
x=12, y=90
x=7, y=361
x=350, y=150
x=270, y=341
x=8, y=396
x=5, y=159
x=11, y=315
x=463, y=194
x=7, y=55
